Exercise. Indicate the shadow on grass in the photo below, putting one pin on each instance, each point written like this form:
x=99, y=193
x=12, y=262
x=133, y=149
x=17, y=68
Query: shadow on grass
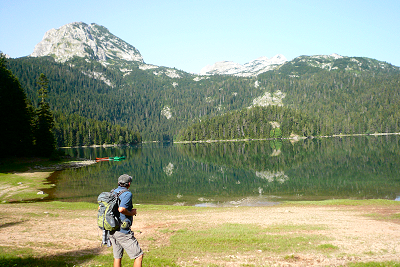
x=14, y=164
x=87, y=258
x=72, y=258
x=4, y=225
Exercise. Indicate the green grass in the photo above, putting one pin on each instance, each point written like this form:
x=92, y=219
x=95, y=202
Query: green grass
x=150, y=207
x=327, y=247
x=377, y=216
x=294, y=228
x=374, y=264
x=23, y=188
x=58, y=205
x=345, y=202
x=26, y=257
x=239, y=238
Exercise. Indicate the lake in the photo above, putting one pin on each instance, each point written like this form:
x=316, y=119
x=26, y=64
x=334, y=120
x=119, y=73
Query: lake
x=252, y=173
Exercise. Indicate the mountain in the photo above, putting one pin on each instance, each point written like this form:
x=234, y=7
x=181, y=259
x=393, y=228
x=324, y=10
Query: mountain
x=334, y=62
x=298, y=66
x=94, y=43
x=95, y=75
x=252, y=68
x=83, y=40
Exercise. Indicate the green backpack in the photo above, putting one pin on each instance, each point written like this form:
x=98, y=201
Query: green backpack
x=108, y=214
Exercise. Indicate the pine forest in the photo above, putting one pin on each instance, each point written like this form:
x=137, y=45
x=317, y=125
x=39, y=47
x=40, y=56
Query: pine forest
x=94, y=105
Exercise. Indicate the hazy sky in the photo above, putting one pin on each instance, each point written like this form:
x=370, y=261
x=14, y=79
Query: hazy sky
x=190, y=34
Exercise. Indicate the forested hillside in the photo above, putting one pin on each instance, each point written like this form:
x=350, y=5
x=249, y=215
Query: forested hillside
x=345, y=102
x=331, y=96
x=350, y=97
x=253, y=123
x=134, y=100
x=70, y=129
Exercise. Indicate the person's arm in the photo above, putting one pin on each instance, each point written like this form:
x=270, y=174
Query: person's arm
x=127, y=212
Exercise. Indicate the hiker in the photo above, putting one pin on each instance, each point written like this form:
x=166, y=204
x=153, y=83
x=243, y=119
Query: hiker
x=124, y=239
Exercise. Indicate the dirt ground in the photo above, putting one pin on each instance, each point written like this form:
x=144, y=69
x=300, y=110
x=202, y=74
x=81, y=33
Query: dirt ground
x=359, y=236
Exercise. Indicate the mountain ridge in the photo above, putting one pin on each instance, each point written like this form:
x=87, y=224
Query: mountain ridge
x=95, y=42
x=159, y=101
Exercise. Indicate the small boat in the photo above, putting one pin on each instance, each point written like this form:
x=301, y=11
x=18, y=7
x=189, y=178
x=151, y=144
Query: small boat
x=106, y=158
x=110, y=158
x=118, y=158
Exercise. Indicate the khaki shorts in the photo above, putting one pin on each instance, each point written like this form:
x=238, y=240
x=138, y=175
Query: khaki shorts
x=127, y=242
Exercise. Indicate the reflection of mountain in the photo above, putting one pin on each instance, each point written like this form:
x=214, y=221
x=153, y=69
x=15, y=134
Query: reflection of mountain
x=254, y=156
x=280, y=177
x=354, y=167
x=161, y=175
x=169, y=169
x=359, y=167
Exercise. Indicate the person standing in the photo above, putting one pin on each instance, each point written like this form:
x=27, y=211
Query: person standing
x=124, y=239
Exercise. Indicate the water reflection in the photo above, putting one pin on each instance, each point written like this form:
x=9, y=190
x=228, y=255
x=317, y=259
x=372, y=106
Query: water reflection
x=242, y=173
x=246, y=202
x=280, y=176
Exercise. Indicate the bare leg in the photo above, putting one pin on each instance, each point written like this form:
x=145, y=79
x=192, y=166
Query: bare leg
x=117, y=262
x=138, y=261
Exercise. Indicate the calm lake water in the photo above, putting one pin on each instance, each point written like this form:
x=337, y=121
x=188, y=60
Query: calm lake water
x=240, y=173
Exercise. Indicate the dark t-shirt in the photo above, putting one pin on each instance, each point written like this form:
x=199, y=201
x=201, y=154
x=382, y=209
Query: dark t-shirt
x=126, y=202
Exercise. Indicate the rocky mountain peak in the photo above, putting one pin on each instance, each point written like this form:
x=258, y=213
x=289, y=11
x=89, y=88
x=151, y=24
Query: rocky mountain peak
x=252, y=68
x=83, y=40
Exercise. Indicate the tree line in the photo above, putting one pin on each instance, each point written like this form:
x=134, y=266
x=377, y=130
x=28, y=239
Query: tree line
x=34, y=131
x=340, y=101
x=74, y=130
x=253, y=123
x=26, y=130
x=344, y=102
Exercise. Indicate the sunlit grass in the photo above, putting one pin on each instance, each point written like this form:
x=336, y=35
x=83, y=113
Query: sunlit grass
x=294, y=228
x=327, y=247
x=20, y=187
x=374, y=264
x=59, y=205
x=345, y=202
x=240, y=238
x=378, y=216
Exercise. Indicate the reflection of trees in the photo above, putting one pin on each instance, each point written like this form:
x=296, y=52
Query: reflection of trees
x=280, y=177
x=255, y=155
x=169, y=169
x=276, y=146
x=356, y=167
x=361, y=167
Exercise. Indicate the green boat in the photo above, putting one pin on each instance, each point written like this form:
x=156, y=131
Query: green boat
x=117, y=158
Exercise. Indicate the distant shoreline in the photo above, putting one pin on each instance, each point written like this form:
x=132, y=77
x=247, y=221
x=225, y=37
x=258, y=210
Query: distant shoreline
x=294, y=138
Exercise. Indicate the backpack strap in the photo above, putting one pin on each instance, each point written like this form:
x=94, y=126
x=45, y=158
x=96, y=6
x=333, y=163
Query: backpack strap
x=119, y=193
x=122, y=191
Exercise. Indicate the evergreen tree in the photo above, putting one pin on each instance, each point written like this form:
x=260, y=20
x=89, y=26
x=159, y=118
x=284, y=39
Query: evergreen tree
x=44, y=137
x=16, y=115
